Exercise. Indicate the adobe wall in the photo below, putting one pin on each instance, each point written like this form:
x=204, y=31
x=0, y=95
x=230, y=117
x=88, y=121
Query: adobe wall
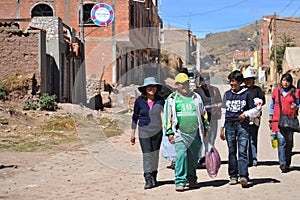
x=19, y=52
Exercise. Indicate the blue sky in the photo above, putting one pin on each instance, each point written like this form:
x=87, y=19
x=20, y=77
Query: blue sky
x=213, y=16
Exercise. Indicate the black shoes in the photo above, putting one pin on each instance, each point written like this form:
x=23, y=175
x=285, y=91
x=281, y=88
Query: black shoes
x=171, y=166
x=201, y=164
x=149, y=185
x=284, y=168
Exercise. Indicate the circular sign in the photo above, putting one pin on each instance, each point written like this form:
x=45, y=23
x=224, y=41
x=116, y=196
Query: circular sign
x=102, y=14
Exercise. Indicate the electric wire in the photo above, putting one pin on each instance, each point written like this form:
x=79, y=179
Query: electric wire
x=210, y=11
x=289, y=3
x=295, y=11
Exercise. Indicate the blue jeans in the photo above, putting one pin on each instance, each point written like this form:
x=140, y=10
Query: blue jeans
x=285, y=147
x=253, y=133
x=237, y=143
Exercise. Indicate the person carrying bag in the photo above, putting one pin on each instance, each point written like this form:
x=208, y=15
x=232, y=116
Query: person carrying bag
x=285, y=102
x=287, y=123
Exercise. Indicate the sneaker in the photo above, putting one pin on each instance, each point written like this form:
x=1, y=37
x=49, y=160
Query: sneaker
x=179, y=188
x=148, y=185
x=255, y=163
x=244, y=182
x=233, y=181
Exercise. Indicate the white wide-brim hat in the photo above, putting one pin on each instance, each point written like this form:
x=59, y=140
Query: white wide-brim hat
x=149, y=81
x=249, y=73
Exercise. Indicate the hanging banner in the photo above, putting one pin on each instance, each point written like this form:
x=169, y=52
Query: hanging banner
x=102, y=14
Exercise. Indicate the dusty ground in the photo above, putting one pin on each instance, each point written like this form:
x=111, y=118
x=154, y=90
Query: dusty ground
x=97, y=167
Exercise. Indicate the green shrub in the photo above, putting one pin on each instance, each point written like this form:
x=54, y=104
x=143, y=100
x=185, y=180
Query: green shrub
x=47, y=102
x=3, y=91
x=30, y=104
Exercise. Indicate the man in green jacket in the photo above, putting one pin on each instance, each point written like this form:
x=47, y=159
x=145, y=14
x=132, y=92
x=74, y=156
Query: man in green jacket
x=186, y=124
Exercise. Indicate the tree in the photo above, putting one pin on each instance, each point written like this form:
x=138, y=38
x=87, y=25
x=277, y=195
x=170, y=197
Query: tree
x=286, y=41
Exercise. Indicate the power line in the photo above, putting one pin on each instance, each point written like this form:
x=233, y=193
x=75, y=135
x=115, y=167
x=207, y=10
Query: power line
x=295, y=11
x=217, y=27
x=289, y=3
x=217, y=10
x=211, y=11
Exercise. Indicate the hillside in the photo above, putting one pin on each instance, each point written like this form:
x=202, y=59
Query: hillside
x=220, y=46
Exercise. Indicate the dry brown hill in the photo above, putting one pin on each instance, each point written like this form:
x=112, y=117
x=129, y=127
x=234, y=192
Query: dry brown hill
x=220, y=46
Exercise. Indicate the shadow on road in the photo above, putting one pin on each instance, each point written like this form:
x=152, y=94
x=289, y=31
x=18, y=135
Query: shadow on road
x=259, y=181
x=166, y=182
x=214, y=183
x=8, y=166
x=268, y=163
x=224, y=162
x=294, y=168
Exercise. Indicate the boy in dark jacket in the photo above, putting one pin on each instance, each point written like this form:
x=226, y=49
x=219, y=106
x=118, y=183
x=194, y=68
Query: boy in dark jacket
x=238, y=105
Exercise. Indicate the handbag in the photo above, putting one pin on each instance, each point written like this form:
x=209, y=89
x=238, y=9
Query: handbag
x=286, y=123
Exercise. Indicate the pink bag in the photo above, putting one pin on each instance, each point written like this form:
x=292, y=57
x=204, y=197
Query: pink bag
x=212, y=161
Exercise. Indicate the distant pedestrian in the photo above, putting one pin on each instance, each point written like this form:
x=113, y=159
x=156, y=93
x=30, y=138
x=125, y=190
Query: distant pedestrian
x=270, y=89
x=237, y=107
x=212, y=101
x=148, y=108
x=259, y=98
x=289, y=97
x=186, y=125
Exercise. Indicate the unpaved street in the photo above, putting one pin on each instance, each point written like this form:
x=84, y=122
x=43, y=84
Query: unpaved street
x=101, y=168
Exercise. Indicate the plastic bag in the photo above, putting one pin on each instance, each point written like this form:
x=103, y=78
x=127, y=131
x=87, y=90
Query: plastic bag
x=274, y=140
x=168, y=149
x=212, y=161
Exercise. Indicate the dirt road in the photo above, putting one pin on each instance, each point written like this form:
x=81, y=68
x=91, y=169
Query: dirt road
x=102, y=168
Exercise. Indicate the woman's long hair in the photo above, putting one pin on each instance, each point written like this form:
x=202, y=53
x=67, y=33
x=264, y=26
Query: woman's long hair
x=144, y=94
x=288, y=77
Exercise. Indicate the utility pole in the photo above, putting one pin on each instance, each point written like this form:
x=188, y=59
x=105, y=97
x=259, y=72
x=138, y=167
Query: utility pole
x=81, y=28
x=275, y=49
x=82, y=75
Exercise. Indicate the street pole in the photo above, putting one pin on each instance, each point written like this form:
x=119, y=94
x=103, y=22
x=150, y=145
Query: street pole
x=82, y=92
x=275, y=50
x=81, y=28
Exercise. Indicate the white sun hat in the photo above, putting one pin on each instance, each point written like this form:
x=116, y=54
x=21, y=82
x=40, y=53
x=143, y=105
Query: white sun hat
x=249, y=73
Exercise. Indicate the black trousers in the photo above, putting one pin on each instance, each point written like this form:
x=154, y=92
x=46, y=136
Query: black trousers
x=150, y=145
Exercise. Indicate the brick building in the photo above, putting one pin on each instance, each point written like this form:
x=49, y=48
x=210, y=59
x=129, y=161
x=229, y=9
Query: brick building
x=181, y=44
x=131, y=40
x=273, y=31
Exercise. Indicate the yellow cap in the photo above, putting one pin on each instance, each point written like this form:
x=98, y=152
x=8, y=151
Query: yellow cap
x=181, y=78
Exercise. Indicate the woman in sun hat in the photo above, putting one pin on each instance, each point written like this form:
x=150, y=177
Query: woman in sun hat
x=147, y=115
x=259, y=98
